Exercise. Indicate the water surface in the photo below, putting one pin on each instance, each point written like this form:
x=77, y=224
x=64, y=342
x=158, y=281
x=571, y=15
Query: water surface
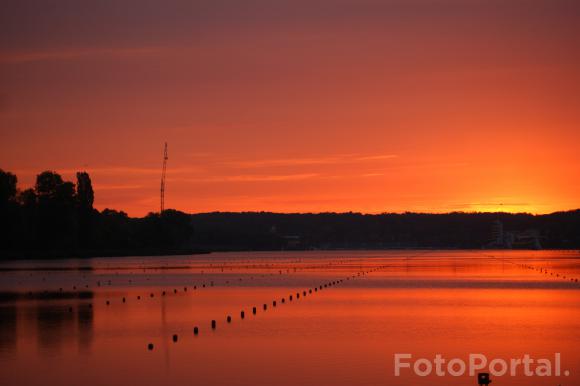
x=64, y=322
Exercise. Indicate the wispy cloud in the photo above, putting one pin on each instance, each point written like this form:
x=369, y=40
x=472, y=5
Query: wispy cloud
x=116, y=170
x=128, y=170
x=493, y=204
x=38, y=56
x=376, y=157
x=324, y=160
x=249, y=178
x=282, y=162
x=100, y=187
x=283, y=177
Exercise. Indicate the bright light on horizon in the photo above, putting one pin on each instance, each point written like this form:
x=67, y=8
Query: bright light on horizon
x=374, y=106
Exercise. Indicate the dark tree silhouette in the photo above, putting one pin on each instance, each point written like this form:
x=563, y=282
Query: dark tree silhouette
x=56, y=222
x=85, y=194
x=47, y=185
x=28, y=198
x=85, y=198
x=8, y=210
x=167, y=230
x=57, y=218
x=7, y=186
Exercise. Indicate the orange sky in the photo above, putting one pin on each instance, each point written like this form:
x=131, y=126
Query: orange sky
x=372, y=106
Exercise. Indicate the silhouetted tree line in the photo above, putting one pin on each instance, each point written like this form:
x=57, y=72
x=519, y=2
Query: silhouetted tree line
x=56, y=218
x=263, y=231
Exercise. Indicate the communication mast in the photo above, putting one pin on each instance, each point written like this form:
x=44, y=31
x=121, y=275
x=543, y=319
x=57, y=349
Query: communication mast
x=163, y=179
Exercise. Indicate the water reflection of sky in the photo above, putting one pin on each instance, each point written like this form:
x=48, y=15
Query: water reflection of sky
x=64, y=325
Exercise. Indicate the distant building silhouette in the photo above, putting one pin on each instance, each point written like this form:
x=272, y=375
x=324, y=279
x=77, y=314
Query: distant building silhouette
x=526, y=239
x=497, y=237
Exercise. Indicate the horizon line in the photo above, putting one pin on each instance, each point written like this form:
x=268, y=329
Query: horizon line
x=361, y=213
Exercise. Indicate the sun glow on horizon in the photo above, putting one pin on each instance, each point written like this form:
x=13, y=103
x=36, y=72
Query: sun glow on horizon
x=370, y=107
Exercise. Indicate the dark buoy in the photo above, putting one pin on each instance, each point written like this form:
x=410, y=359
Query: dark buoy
x=283, y=300
x=229, y=319
x=290, y=297
x=483, y=379
x=138, y=297
x=124, y=300
x=108, y=302
x=151, y=295
x=265, y=306
x=163, y=293
x=254, y=310
x=213, y=324
x=174, y=291
x=174, y=337
x=274, y=303
x=242, y=314
x=195, y=331
x=150, y=346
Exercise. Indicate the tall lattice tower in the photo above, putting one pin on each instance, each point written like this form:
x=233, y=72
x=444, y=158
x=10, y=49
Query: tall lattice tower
x=163, y=179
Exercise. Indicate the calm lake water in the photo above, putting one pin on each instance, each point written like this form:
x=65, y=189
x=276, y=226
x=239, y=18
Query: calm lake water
x=65, y=322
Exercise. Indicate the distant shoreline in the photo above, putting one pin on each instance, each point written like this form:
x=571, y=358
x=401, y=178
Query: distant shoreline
x=52, y=255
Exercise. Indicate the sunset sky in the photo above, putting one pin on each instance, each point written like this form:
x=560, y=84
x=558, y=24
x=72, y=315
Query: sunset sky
x=295, y=106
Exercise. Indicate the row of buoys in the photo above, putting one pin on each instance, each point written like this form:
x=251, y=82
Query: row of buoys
x=163, y=293
x=545, y=271
x=257, y=266
x=274, y=303
x=152, y=295
x=541, y=270
x=185, y=289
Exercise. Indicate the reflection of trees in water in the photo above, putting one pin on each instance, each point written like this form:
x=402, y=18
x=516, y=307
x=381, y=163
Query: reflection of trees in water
x=85, y=326
x=55, y=325
x=58, y=324
x=8, y=328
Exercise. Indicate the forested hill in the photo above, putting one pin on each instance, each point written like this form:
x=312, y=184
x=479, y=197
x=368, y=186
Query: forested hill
x=263, y=230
